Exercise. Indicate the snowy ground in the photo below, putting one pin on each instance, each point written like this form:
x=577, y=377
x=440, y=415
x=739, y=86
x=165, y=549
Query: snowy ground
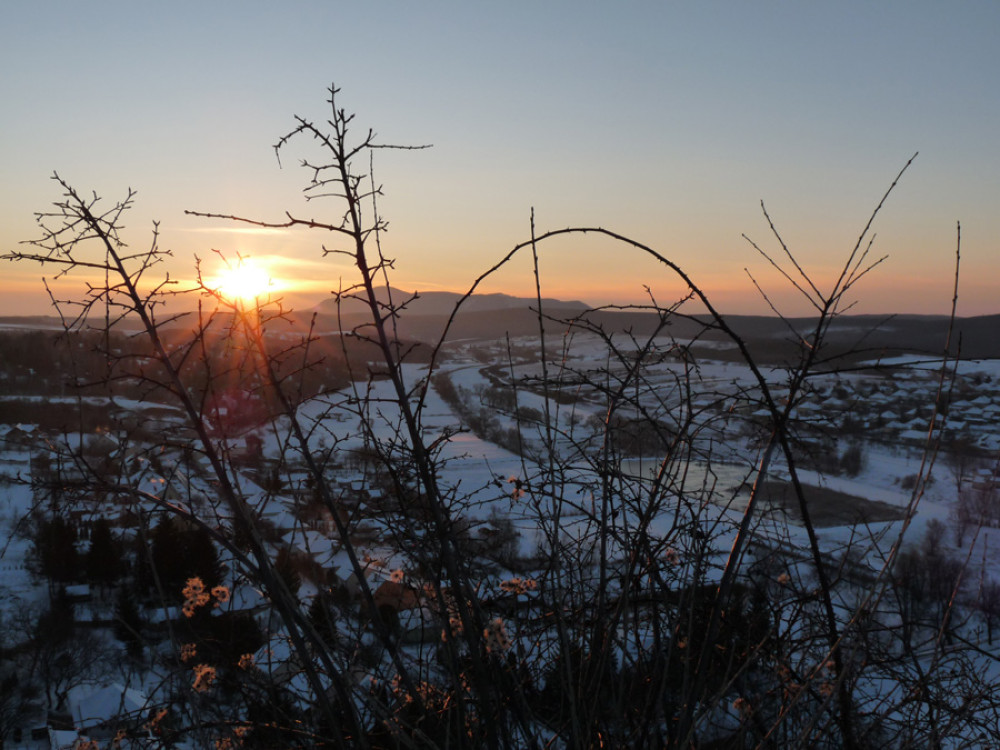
x=489, y=478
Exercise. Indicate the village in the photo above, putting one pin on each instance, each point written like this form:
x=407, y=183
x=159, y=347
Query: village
x=95, y=521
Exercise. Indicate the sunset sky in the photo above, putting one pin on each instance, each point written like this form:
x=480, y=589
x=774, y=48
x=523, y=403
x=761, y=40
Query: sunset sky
x=665, y=121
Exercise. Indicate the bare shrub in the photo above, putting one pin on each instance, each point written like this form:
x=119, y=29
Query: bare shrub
x=641, y=621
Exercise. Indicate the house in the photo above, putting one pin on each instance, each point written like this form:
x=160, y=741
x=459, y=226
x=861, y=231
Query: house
x=20, y=434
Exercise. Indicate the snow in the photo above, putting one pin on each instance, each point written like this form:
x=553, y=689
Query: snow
x=91, y=707
x=492, y=482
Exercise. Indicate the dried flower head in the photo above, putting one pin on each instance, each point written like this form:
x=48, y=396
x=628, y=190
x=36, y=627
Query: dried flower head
x=742, y=706
x=153, y=725
x=455, y=626
x=194, y=596
x=221, y=594
x=518, y=586
x=495, y=635
x=189, y=651
x=518, y=491
x=204, y=676
x=194, y=587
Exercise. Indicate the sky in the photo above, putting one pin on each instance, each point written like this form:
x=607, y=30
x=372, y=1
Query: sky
x=667, y=122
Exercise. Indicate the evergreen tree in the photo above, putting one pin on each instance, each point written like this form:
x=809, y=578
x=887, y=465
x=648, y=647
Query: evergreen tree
x=323, y=618
x=167, y=558
x=55, y=550
x=128, y=623
x=285, y=567
x=181, y=552
x=55, y=625
x=201, y=557
x=103, y=562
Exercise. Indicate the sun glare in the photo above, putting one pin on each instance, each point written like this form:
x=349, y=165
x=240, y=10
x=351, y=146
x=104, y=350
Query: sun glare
x=244, y=282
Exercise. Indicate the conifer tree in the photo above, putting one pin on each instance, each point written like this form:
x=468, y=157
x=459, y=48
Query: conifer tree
x=55, y=550
x=103, y=561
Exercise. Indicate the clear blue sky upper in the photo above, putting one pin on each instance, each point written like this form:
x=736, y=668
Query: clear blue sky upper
x=668, y=122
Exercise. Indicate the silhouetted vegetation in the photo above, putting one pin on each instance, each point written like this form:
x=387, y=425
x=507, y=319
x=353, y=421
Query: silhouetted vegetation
x=302, y=566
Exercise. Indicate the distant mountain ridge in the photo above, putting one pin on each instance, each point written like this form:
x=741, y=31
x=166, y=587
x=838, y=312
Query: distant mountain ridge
x=443, y=303
x=497, y=316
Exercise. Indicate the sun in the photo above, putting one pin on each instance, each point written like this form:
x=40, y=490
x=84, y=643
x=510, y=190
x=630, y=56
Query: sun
x=245, y=281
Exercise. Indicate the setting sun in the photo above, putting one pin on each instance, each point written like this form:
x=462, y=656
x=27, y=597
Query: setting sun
x=245, y=281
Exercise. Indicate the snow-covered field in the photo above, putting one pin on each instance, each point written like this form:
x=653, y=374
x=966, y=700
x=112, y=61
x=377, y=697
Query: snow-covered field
x=558, y=465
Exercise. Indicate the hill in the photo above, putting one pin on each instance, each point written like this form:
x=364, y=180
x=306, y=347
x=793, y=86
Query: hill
x=441, y=303
x=423, y=317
